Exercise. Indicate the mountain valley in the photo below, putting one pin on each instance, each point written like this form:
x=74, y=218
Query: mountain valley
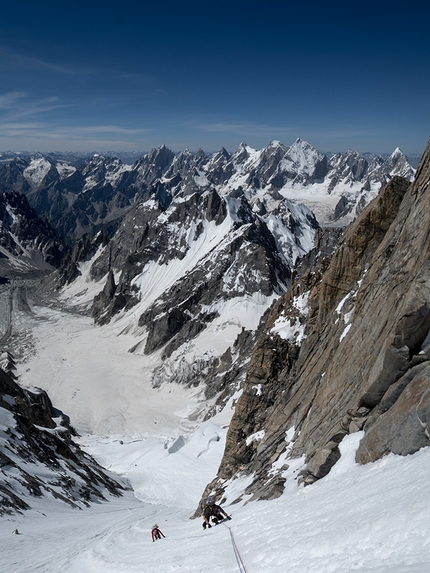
x=280, y=294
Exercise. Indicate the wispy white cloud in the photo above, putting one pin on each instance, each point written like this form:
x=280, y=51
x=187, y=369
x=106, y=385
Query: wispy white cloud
x=12, y=60
x=11, y=99
x=48, y=131
x=11, y=128
x=27, y=122
x=15, y=106
x=91, y=129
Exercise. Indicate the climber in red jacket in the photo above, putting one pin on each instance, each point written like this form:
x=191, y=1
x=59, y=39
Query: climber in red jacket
x=156, y=533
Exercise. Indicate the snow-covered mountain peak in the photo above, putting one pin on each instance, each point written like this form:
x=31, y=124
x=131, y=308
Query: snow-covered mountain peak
x=155, y=163
x=304, y=156
x=335, y=189
x=302, y=164
x=38, y=169
x=272, y=153
x=201, y=155
x=218, y=159
x=64, y=169
x=242, y=153
x=396, y=164
x=101, y=170
x=346, y=167
x=222, y=153
x=180, y=163
x=275, y=143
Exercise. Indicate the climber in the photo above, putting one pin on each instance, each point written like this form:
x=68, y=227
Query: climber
x=156, y=533
x=212, y=511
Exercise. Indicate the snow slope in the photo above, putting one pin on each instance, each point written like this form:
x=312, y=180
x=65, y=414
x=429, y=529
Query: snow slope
x=357, y=519
x=366, y=519
x=90, y=375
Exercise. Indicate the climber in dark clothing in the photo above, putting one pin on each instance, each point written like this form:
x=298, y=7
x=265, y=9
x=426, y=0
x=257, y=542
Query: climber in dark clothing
x=214, y=512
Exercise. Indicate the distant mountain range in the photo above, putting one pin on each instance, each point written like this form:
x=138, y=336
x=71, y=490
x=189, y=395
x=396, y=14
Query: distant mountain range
x=185, y=246
x=131, y=157
x=190, y=252
x=79, y=194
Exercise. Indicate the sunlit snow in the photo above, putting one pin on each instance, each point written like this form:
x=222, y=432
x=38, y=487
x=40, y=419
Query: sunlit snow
x=292, y=328
x=37, y=170
x=371, y=518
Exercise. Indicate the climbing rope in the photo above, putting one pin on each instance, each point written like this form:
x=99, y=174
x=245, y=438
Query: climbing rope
x=239, y=559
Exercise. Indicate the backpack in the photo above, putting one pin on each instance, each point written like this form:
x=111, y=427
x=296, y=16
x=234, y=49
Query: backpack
x=211, y=509
x=209, y=501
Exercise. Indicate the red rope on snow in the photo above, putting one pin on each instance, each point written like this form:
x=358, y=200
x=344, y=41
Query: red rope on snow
x=239, y=559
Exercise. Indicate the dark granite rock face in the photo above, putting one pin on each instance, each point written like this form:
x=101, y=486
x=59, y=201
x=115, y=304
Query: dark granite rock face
x=352, y=354
x=24, y=236
x=83, y=250
x=400, y=422
x=39, y=457
x=244, y=261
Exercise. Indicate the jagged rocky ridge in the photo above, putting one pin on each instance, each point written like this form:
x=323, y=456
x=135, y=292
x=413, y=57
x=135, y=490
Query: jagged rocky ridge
x=191, y=278
x=346, y=349
x=84, y=195
x=27, y=243
x=186, y=241
x=206, y=247
x=38, y=456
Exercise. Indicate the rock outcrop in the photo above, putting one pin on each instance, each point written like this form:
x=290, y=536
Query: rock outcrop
x=347, y=348
x=38, y=456
x=181, y=277
x=27, y=242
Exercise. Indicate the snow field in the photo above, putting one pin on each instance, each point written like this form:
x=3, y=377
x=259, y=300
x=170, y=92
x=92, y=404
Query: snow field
x=365, y=519
x=90, y=375
x=371, y=519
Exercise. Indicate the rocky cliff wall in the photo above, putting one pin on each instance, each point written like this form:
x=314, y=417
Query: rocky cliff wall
x=38, y=456
x=345, y=349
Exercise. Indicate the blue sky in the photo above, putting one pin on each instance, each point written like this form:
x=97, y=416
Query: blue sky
x=96, y=76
